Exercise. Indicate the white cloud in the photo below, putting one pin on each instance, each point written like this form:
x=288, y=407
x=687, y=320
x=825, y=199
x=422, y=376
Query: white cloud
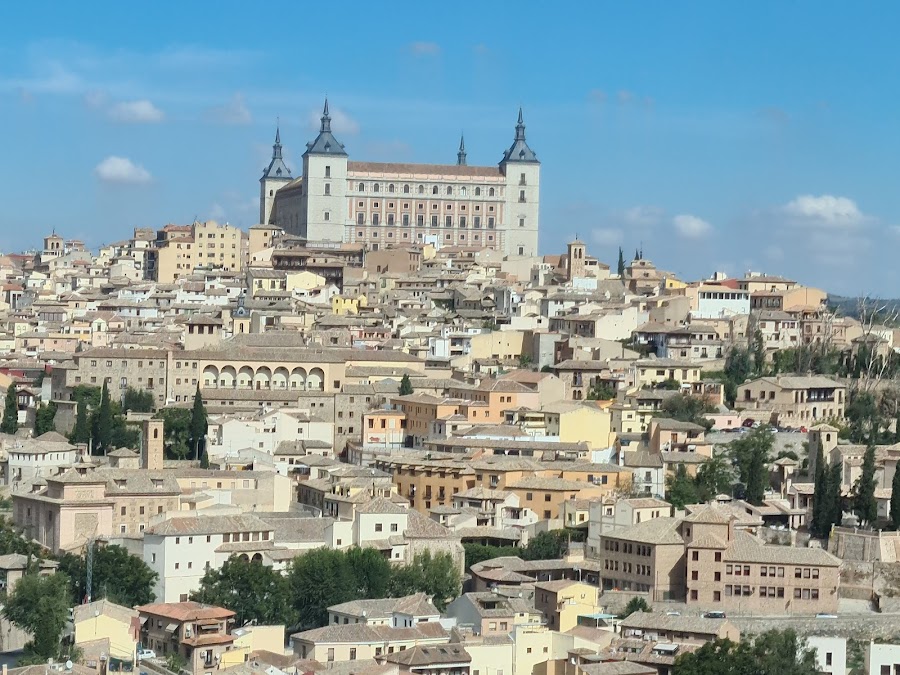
x=425, y=48
x=643, y=216
x=607, y=236
x=122, y=170
x=234, y=111
x=837, y=212
x=139, y=112
x=341, y=122
x=691, y=227
x=96, y=98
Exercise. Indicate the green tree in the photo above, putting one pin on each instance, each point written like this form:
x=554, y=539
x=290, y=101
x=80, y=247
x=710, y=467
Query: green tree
x=118, y=575
x=435, y=575
x=738, y=367
x=406, y=387
x=176, y=432
x=44, y=418
x=636, y=604
x=546, y=546
x=204, y=459
x=620, y=268
x=770, y=653
x=714, y=477
x=476, y=553
x=10, y=422
x=864, y=504
x=40, y=605
x=601, y=391
x=680, y=488
x=670, y=384
x=253, y=591
x=751, y=457
x=895, y=500
x=102, y=423
x=820, y=525
x=198, y=424
x=371, y=570
x=12, y=541
x=81, y=432
x=137, y=400
x=319, y=579
x=176, y=663
x=687, y=408
x=864, y=418
x=759, y=353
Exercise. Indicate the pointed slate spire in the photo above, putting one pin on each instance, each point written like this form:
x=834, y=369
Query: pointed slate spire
x=277, y=169
x=325, y=143
x=519, y=150
x=461, y=155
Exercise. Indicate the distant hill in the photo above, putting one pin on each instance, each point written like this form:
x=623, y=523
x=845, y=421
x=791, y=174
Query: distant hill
x=846, y=306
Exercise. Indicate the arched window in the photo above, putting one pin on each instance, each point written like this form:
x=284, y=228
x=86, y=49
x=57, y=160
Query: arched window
x=491, y=192
x=362, y=187
x=421, y=189
x=406, y=189
x=478, y=192
x=376, y=187
x=434, y=190
x=391, y=187
x=463, y=191
x=449, y=190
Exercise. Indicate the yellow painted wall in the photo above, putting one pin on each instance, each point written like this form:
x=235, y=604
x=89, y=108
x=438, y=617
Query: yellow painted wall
x=121, y=644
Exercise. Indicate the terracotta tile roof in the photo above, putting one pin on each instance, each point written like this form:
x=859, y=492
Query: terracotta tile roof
x=185, y=611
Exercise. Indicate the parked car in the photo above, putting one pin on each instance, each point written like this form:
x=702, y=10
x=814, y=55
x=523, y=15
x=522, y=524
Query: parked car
x=146, y=654
x=714, y=615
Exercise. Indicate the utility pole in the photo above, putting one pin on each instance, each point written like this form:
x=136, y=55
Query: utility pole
x=90, y=569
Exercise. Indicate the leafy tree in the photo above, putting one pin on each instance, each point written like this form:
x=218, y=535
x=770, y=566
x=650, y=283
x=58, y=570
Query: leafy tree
x=102, y=422
x=601, y=391
x=40, y=605
x=864, y=418
x=204, y=459
x=176, y=432
x=175, y=662
x=750, y=454
x=895, y=500
x=255, y=592
x=771, y=653
x=738, y=367
x=371, y=570
x=198, y=424
x=137, y=400
x=118, y=575
x=546, y=546
x=819, y=527
x=671, y=384
x=524, y=360
x=319, y=579
x=832, y=502
x=87, y=393
x=435, y=575
x=81, y=432
x=687, y=408
x=406, y=387
x=864, y=504
x=680, y=488
x=44, y=418
x=10, y=422
x=12, y=541
x=714, y=477
x=620, y=268
x=636, y=604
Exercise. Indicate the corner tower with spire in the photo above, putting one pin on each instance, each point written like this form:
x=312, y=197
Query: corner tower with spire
x=323, y=203
x=522, y=170
x=275, y=176
x=461, y=155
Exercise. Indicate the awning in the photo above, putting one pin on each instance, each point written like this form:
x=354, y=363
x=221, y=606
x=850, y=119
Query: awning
x=171, y=627
x=208, y=622
x=665, y=648
x=144, y=619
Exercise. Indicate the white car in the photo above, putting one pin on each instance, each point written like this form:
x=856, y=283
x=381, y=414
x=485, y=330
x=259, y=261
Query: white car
x=146, y=654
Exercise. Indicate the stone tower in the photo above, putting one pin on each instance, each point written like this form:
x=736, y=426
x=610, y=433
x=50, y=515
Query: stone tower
x=275, y=176
x=323, y=206
x=522, y=170
x=152, y=445
x=577, y=250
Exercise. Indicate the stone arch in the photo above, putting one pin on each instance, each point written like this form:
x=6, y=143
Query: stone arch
x=298, y=378
x=245, y=377
x=210, y=377
x=257, y=558
x=316, y=380
x=228, y=377
x=262, y=379
x=280, y=378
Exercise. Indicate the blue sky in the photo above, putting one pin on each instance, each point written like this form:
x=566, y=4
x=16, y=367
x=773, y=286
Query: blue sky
x=721, y=136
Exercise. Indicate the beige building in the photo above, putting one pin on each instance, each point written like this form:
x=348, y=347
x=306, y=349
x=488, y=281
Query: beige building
x=793, y=400
x=179, y=250
x=362, y=642
x=382, y=204
x=104, y=620
x=564, y=602
x=198, y=633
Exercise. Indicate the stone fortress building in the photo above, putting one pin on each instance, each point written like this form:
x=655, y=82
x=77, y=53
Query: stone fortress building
x=382, y=204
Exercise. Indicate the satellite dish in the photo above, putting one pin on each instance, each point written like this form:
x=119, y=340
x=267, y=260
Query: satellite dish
x=68, y=665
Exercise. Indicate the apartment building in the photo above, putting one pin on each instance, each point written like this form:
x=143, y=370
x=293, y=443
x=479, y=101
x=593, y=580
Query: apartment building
x=361, y=642
x=198, y=633
x=563, y=602
x=493, y=613
x=179, y=250
x=793, y=400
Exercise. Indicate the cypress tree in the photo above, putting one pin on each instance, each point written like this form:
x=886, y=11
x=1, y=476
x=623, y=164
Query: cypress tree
x=406, y=387
x=833, y=511
x=10, y=422
x=103, y=421
x=81, y=433
x=864, y=504
x=818, y=527
x=621, y=267
x=198, y=423
x=895, y=500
